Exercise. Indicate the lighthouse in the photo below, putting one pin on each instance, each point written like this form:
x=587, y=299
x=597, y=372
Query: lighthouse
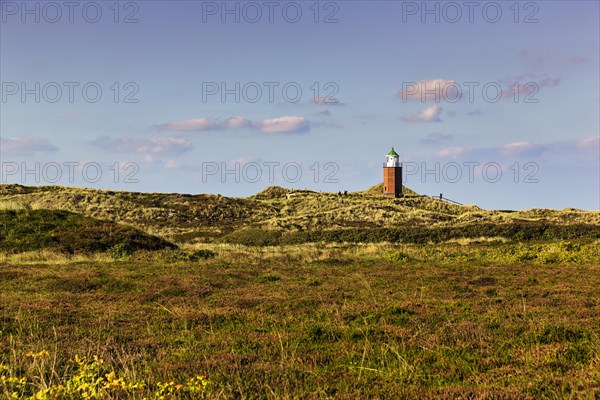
x=392, y=175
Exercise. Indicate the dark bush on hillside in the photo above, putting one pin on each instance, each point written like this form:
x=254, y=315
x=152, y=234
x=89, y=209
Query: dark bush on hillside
x=202, y=254
x=522, y=231
x=253, y=237
x=71, y=233
x=175, y=256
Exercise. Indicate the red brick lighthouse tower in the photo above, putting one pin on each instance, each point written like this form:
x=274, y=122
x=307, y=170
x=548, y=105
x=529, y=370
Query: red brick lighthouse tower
x=392, y=175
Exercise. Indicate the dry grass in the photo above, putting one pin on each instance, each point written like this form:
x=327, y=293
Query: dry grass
x=205, y=218
x=48, y=256
x=10, y=205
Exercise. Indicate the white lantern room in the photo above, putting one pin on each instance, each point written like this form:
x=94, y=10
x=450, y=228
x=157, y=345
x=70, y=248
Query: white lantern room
x=392, y=159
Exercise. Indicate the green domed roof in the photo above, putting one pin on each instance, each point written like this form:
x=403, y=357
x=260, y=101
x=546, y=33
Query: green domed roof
x=393, y=153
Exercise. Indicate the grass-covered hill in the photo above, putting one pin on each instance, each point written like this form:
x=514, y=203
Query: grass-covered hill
x=27, y=230
x=278, y=215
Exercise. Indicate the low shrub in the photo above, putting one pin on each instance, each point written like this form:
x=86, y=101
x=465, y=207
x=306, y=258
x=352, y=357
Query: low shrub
x=121, y=250
x=518, y=231
x=202, y=254
x=71, y=233
x=253, y=237
x=269, y=278
x=397, y=257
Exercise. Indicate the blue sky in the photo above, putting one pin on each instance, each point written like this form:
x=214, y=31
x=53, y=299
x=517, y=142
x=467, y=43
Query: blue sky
x=401, y=77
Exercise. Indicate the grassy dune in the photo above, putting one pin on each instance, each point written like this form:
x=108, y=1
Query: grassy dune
x=27, y=230
x=210, y=218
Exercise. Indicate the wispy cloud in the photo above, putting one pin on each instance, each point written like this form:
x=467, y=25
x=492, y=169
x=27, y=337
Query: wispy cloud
x=534, y=58
x=438, y=90
x=452, y=151
x=523, y=149
x=285, y=124
x=191, y=125
x=578, y=60
x=429, y=114
x=436, y=138
x=25, y=146
x=526, y=149
x=591, y=143
x=526, y=83
x=163, y=146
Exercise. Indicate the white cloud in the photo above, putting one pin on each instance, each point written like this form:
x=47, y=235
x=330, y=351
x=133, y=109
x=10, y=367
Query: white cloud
x=191, y=125
x=429, y=114
x=150, y=147
x=245, y=160
x=523, y=148
x=285, y=124
x=526, y=150
x=452, y=151
x=25, y=146
x=237, y=123
x=592, y=143
x=429, y=90
x=527, y=83
x=438, y=90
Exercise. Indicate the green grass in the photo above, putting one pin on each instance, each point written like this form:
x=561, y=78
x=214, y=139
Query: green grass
x=314, y=321
x=27, y=230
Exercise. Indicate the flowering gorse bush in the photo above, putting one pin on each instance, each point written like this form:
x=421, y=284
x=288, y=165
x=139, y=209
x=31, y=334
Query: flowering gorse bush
x=91, y=379
x=194, y=386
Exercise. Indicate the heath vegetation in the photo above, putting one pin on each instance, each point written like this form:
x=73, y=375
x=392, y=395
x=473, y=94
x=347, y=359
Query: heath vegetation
x=113, y=295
